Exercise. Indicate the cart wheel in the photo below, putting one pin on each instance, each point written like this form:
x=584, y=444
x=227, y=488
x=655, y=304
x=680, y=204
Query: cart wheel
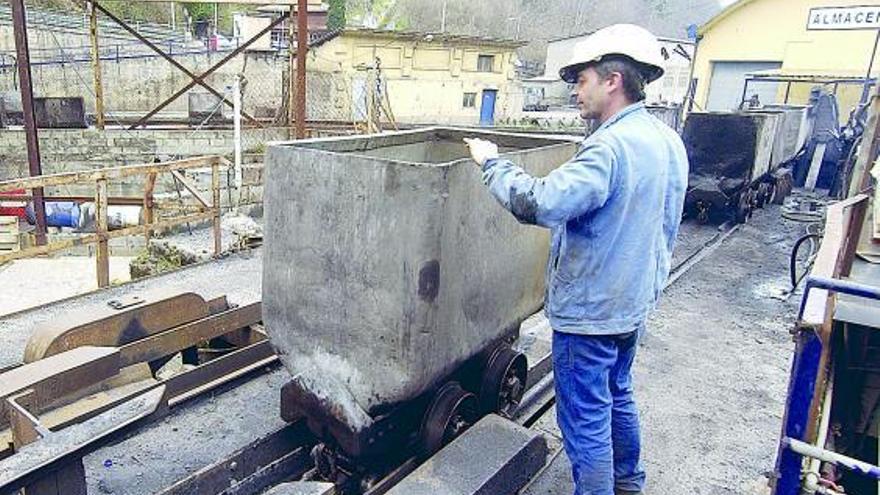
x=504, y=382
x=743, y=207
x=452, y=411
x=762, y=195
x=325, y=462
x=783, y=188
x=771, y=192
x=702, y=212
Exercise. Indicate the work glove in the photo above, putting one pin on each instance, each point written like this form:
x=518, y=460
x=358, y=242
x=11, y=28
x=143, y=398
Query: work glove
x=481, y=150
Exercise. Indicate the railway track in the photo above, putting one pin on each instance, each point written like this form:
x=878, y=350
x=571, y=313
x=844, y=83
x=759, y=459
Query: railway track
x=45, y=437
x=725, y=230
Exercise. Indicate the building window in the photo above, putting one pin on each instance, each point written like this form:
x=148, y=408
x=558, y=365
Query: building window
x=485, y=63
x=469, y=100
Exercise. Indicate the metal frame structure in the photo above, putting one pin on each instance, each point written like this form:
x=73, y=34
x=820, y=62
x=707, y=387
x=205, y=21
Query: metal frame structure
x=208, y=210
x=297, y=86
x=806, y=79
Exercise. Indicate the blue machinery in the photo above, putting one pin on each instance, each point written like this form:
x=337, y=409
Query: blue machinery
x=801, y=447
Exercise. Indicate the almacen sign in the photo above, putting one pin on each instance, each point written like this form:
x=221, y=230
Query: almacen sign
x=837, y=18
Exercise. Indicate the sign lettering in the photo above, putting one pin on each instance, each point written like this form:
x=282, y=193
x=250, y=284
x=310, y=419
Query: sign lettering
x=843, y=18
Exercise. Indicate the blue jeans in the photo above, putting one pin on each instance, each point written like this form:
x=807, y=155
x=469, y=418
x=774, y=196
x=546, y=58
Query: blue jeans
x=596, y=411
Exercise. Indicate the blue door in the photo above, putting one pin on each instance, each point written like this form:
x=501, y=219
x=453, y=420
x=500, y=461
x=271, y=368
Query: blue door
x=487, y=107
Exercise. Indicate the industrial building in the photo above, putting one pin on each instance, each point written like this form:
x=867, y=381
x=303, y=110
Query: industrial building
x=782, y=42
x=426, y=77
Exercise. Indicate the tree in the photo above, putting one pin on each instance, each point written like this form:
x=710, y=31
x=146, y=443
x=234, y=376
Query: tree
x=199, y=11
x=336, y=14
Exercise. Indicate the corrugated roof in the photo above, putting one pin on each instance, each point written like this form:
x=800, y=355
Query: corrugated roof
x=446, y=37
x=661, y=38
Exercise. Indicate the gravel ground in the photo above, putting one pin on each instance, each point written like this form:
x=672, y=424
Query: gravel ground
x=237, y=275
x=33, y=282
x=711, y=373
x=195, y=435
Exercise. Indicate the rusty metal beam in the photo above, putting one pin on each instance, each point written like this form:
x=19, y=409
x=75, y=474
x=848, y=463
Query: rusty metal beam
x=110, y=324
x=19, y=24
x=59, y=375
x=291, y=78
x=113, y=200
x=149, y=203
x=189, y=186
x=187, y=335
x=51, y=455
x=302, y=48
x=199, y=79
x=96, y=65
x=26, y=428
x=245, y=462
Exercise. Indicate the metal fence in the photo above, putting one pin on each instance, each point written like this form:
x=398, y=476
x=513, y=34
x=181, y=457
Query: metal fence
x=796, y=90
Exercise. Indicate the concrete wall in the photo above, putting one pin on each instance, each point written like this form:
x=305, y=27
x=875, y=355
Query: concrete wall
x=775, y=31
x=139, y=84
x=65, y=150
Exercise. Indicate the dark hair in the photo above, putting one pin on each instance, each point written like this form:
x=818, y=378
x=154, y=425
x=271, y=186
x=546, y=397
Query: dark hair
x=633, y=75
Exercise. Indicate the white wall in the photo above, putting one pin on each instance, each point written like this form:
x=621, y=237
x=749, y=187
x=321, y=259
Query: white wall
x=671, y=88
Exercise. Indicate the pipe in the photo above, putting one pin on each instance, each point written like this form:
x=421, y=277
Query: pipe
x=236, y=124
x=837, y=285
x=866, y=89
x=811, y=485
x=824, y=455
x=813, y=476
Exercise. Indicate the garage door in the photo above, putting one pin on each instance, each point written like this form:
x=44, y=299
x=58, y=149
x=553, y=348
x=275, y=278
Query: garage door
x=728, y=78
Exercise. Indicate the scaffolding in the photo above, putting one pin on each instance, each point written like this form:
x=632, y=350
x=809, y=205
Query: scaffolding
x=296, y=92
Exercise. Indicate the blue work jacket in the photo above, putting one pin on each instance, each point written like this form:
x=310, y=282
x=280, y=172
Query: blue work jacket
x=614, y=211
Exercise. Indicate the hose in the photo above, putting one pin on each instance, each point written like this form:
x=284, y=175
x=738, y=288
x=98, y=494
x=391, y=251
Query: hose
x=792, y=261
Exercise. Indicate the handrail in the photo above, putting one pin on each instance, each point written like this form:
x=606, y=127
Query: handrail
x=831, y=260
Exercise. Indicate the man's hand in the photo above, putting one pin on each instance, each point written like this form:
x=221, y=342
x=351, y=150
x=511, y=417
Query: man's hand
x=481, y=150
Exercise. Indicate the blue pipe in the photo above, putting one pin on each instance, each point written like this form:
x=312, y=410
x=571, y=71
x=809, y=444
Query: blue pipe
x=837, y=285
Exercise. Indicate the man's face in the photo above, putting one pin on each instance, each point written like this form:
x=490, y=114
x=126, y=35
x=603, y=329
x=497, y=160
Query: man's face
x=592, y=93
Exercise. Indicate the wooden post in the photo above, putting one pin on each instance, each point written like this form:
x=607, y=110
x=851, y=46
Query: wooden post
x=96, y=66
x=215, y=187
x=103, y=255
x=149, y=206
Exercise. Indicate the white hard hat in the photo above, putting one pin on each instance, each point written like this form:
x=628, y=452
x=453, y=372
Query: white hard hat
x=628, y=40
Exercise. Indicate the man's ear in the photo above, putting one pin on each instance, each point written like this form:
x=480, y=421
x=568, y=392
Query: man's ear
x=614, y=81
